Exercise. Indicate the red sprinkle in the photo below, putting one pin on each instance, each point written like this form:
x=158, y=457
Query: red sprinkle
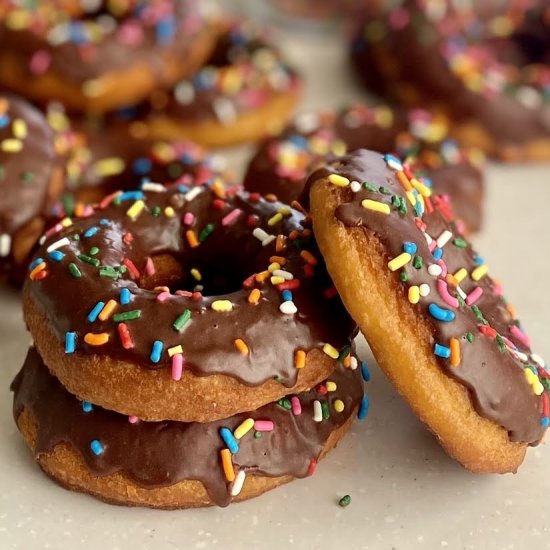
x=312, y=467
x=289, y=285
x=125, y=336
x=132, y=269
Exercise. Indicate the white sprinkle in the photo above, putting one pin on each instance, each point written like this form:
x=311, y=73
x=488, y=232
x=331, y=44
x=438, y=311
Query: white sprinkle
x=237, y=485
x=260, y=234
x=268, y=240
x=424, y=289
x=317, y=411
x=393, y=164
x=538, y=360
x=154, y=187
x=428, y=238
x=5, y=245
x=444, y=238
x=307, y=122
x=435, y=270
x=353, y=363
x=520, y=355
x=225, y=110
x=529, y=97
x=184, y=92
x=355, y=186
x=192, y=193
x=286, y=275
x=58, y=244
x=288, y=308
x=461, y=293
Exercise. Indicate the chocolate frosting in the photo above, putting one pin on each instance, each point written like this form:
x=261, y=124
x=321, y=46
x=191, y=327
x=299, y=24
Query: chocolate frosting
x=27, y=162
x=165, y=453
x=493, y=365
x=225, y=258
x=281, y=163
x=416, y=54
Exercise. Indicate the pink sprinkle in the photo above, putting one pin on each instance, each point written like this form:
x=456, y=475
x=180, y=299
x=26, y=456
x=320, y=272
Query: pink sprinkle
x=184, y=293
x=40, y=62
x=231, y=217
x=474, y=296
x=149, y=266
x=163, y=296
x=53, y=230
x=132, y=269
x=518, y=334
x=263, y=425
x=431, y=245
x=133, y=419
x=130, y=33
x=443, y=267
x=189, y=218
x=177, y=366
x=296, y=406
x=443, y=290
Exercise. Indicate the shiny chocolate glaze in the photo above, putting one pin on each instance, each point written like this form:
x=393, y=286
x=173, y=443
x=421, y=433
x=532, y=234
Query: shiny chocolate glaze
x=493, y=365
x=165, y=453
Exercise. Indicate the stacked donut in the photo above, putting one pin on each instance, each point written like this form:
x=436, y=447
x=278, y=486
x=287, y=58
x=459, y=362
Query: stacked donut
x=196, y=327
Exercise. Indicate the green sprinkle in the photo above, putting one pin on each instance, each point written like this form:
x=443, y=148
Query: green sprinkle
x=174, y=170
x=181, y=321
x=500, y=343
x=155, y=211
x=109, y=272
x=324, y=409
x=284, y=403
x=545, y=382
x=403, y=276
x=75, y=237
x=206, y=232
x=470, y=337
x=2, y=171
x=460, y=243
x=89, y=260
x=369, y=187
x=344, y=353
x=257, y=435
x=418, y=262
x=75, y=272
x=68, y=204
x=461, y=301
x=127, y=315
x=479, y=315
x=344, y=501
x=122, y=269
x=27, y=177
x=94, y=250
x=384, y=190
x=399, y=204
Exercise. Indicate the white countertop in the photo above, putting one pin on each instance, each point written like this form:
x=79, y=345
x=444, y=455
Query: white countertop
x=406, y=493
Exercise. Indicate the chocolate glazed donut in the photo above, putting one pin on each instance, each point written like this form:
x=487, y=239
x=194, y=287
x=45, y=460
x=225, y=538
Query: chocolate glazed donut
x=442, y=54
x=92, y=309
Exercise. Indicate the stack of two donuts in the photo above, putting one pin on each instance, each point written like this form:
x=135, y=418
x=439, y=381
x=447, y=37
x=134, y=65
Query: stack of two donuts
x=189, y=349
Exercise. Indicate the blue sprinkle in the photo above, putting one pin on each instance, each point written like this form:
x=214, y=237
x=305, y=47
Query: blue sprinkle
x=287, y=296
x=125, y=296
x=427, y=181
x=441, y=314
x=165, y=30
x=70, y=342
x=127, y=113
x=478, y=260
x=96, y=447
x=363, y=408
x=56, y=255
x=183, y=188
x=409, y=248
x=142, y=166
x=131, y=196
x=437, y=253
x=91, y=231
x=4, y=121
x=96, y=310
x=103, y=221
x=442, y=351
x=87, y=406
x=419, y=209
x=34, y=263
x=391, y=158
x=299, y=141
x=545, y=422
x=156, y=352
x=229, y=440
x=365, y=372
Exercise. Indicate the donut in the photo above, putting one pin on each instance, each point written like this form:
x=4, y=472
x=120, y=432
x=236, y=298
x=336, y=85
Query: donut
x=282, y=162
x=31, y=176
x=454, y=58
x=437, y=323
x=109, y=58
x=177, y=464
x=217, y=303
x=245, y=90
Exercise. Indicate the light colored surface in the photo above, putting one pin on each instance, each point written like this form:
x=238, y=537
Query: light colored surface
x=405, y=492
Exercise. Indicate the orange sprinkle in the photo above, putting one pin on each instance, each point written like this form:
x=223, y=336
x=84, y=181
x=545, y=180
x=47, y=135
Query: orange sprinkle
x=40, y=267
x=347, y=361
x=96, y=339
x=309, y=257
x=280, y=243
x=218, y=189
x=306, y=232
x=262, y=276
x=293, y=235
x=404, y=181
x=277, y=259
x=511, y=310
x=227, y=465
x=192, y=238
x=270, y=197
x=241, y=346
x=300, y=359
x=79, y=209
x=455, y=352
x=452, y=280
x=297, y=206
x=254, y=296
x=107, y=310
x=161, y=289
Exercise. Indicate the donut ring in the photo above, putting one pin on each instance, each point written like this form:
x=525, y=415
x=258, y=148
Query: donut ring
x=174, y=464
x=31, y=176
x=282, y=162
x=282, y=331
x=102, y=60
x=244, y=91
x=466, y=370
x=442, y=53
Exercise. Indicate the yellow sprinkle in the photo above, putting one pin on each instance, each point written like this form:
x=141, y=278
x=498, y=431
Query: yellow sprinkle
x=275, y=219
x=66, y=222
x=11, y=145
x=227, y=465
x=422, y=188
x=414, y=294
x=37, y=270
x=399, y=261
x=175, y=350
x=192, y=238
x=461, y=274
x=338, y=405
x=196, y=274
x=96, y=339
x=339, y=181
x=330, y=385
x=111, y=166
x=262, y=276
x=222, y=305
x=377, y=206
x=404, y=180
x=529, y=376
x=277, y=280
x=411, y=197
x=92, y=88
x=241, y=346
x=331, y=351
x=479, y=272
x=300, y=359
x=19, y=128
x=169, y=212
x=538, y=388
x=254, y=296
x=107, y=310
x=135, y=210
x=243, y=428
x=18, y=20
x=218, y=189
x=274, y=266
